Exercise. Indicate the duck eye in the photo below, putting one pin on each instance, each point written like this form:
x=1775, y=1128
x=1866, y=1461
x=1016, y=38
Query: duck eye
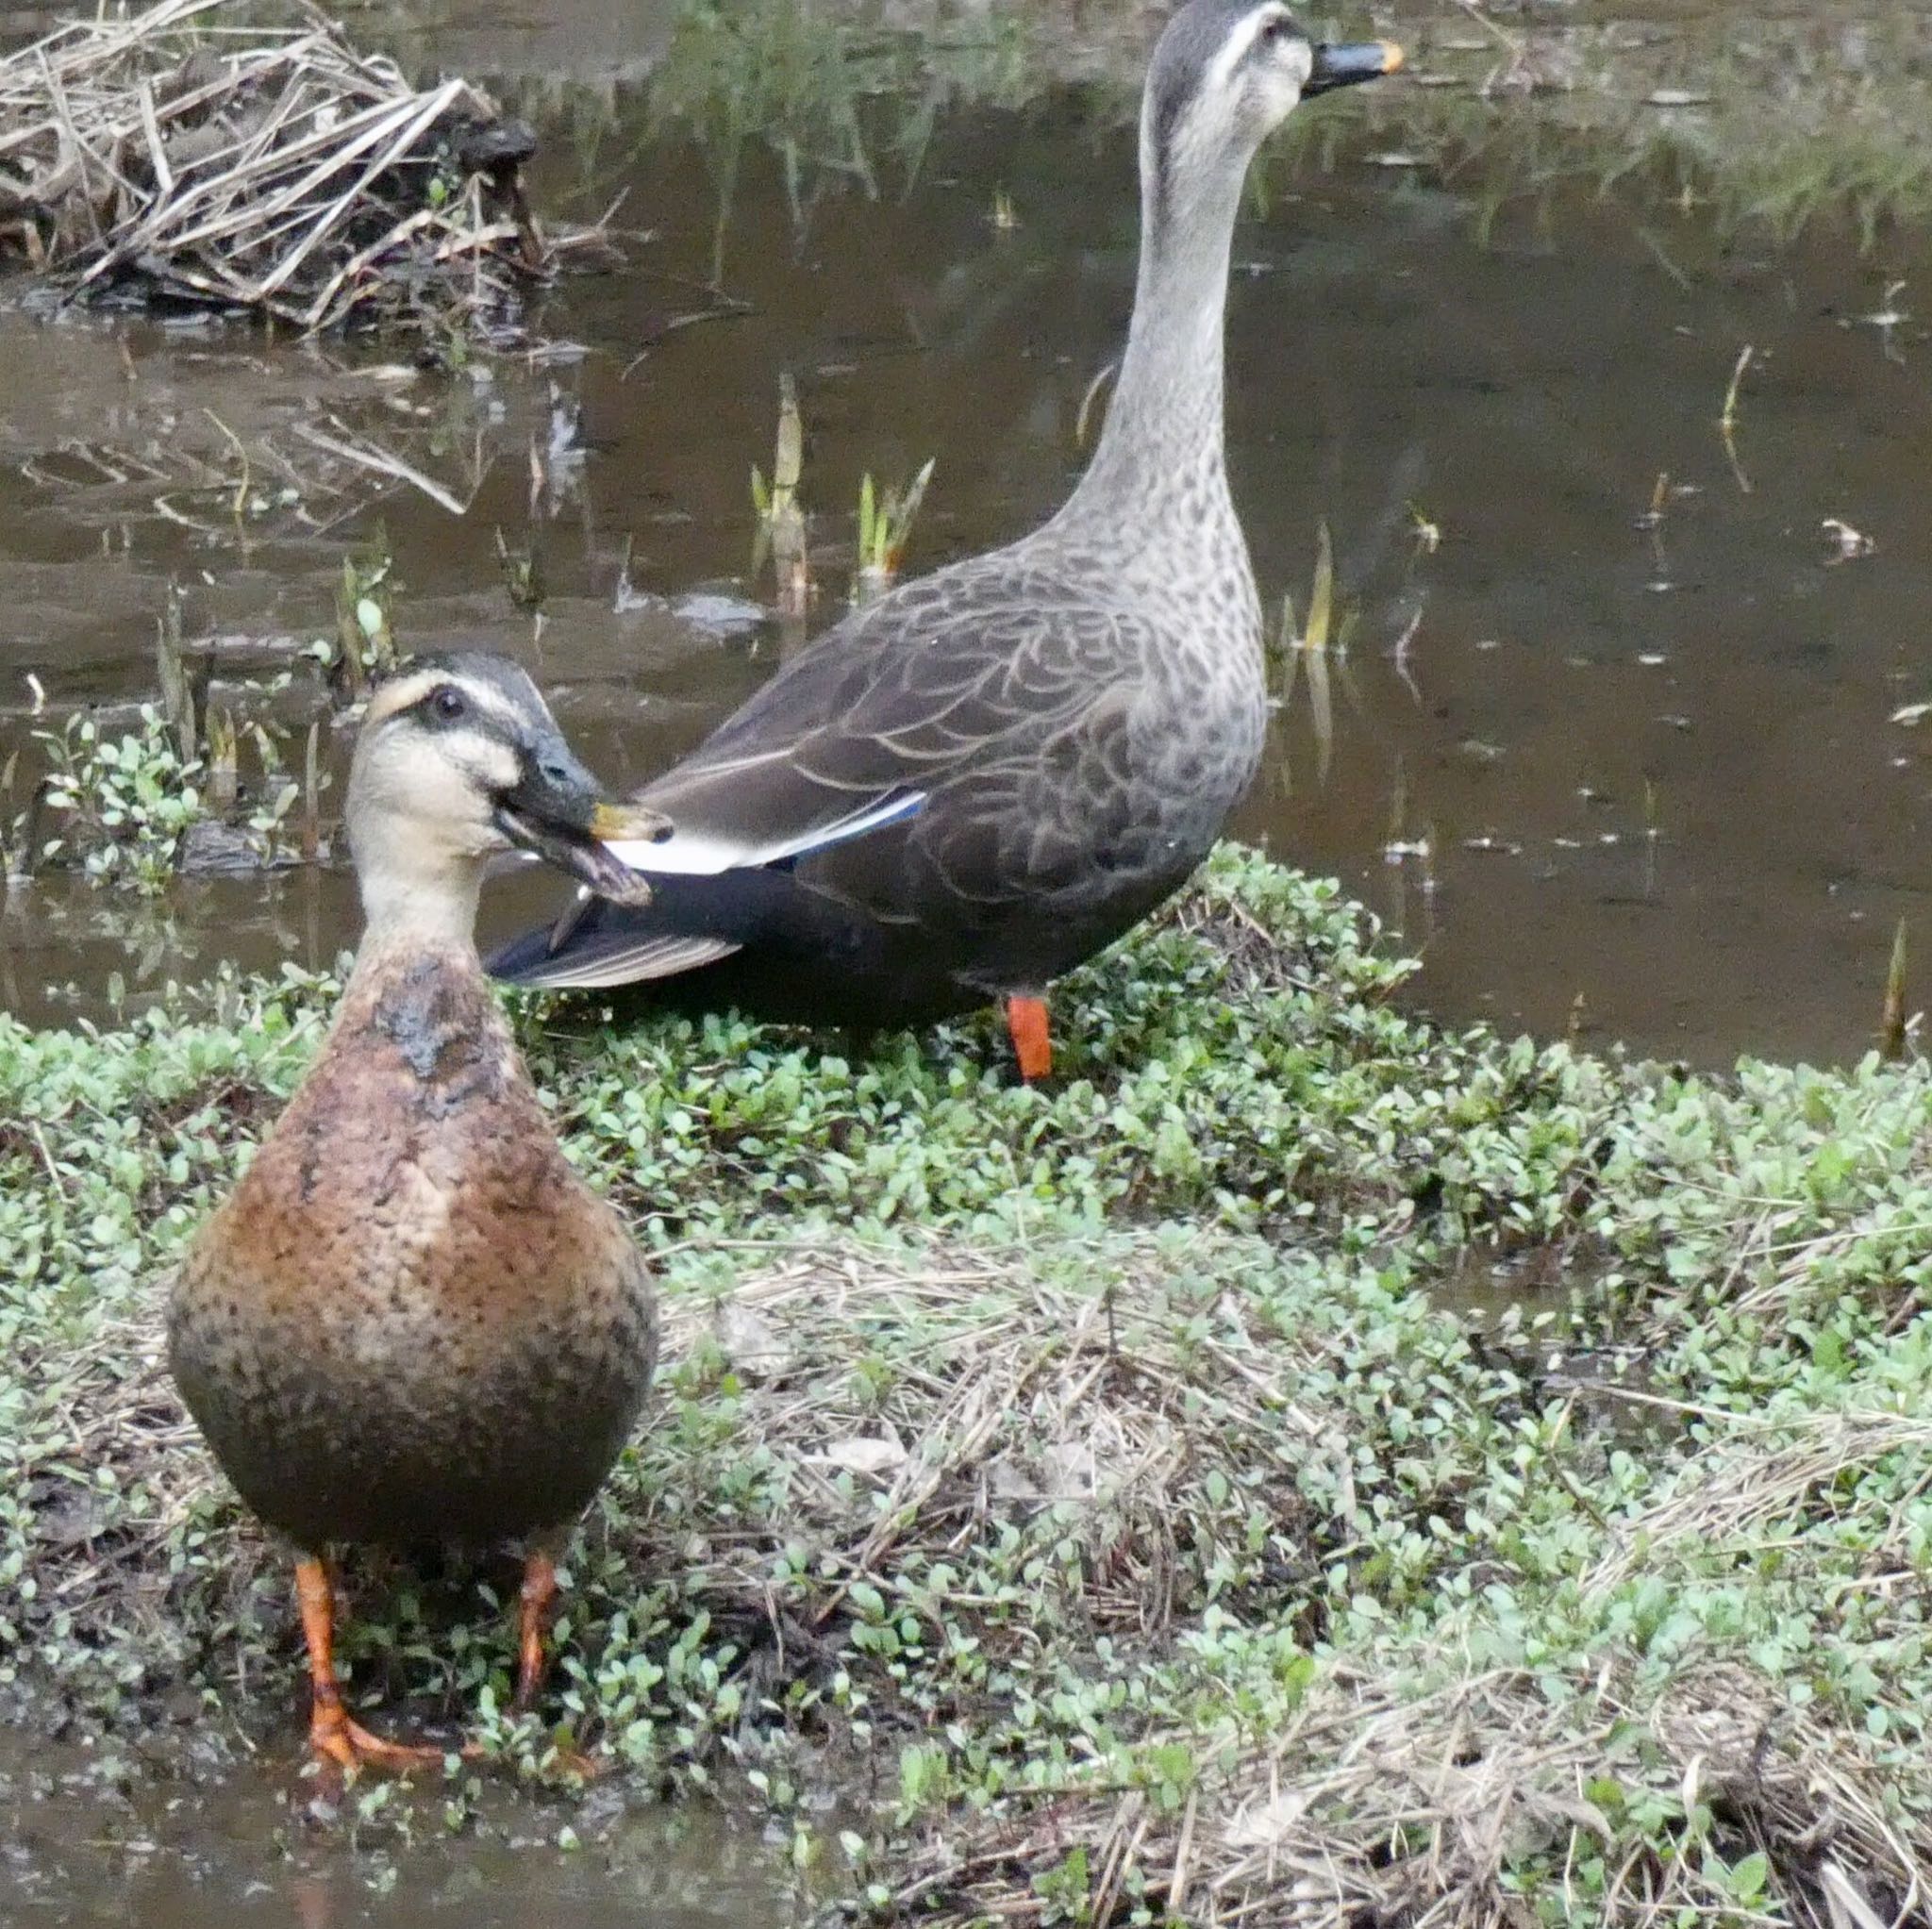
x=449, y=704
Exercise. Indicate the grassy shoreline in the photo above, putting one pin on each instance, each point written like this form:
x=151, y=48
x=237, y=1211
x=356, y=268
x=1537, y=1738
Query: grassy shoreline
x=1306, y=1465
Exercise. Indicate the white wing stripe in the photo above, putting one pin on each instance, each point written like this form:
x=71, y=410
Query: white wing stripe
x=702, y=854
x=654, y=957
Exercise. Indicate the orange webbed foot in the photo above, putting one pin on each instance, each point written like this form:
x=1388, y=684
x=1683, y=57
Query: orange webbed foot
x=349, y=1746
x=346, y=1747
x=333, y=1737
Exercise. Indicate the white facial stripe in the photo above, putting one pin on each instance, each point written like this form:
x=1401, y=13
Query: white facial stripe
x=486, y=701
x=399, y=694
x=488, y=704
x=1241, y=44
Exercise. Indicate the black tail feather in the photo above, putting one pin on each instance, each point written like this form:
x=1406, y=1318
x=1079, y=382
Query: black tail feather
x=768, y=911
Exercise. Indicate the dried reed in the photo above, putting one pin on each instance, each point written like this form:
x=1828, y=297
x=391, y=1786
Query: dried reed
x=182, y=156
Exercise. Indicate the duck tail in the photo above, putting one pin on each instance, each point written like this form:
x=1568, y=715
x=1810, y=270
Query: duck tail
x=689, y=924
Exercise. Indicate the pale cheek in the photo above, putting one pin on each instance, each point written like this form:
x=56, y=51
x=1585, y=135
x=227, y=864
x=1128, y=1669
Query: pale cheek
x=499, y=767
x=486, y=839
x=1276, y=96
x=453, y=800
x=472, y=829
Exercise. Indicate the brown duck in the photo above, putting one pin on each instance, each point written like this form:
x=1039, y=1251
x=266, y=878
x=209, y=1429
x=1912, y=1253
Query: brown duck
x=412, y=1324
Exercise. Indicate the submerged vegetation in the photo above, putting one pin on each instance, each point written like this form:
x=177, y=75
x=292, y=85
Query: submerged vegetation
x=1306, y=1465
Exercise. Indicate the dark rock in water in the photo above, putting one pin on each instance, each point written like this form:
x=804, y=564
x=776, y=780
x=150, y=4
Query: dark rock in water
x=213, y=846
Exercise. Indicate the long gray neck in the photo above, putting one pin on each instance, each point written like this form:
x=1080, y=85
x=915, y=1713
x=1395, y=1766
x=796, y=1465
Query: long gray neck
x=1163, y=439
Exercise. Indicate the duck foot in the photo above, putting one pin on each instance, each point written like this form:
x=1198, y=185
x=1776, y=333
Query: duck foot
x=333, y=1737
x=345, y=1746
x=1032, y=1038
x=351, y=1746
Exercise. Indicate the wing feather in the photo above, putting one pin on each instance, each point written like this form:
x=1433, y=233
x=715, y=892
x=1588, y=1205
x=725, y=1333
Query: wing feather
x=598, y=966
x=697, y=853
x=859, y=731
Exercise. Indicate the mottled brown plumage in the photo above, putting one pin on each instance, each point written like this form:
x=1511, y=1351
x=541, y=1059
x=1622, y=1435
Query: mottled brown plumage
x=412, y=1322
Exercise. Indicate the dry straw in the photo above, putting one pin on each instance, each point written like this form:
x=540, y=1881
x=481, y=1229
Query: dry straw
x=182, y=156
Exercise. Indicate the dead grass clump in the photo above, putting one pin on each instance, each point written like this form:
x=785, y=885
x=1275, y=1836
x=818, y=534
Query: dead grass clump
x=106, y=1489
x=1373, y=1806
x=910, y=1404
x=175, y=156
x=1094, y=1405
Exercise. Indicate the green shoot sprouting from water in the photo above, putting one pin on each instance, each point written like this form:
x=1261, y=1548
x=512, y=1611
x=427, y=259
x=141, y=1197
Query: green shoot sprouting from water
x=1311, y=644
x=522, y=570
x=178, y=686
x=1727, y=421
x=1892, y=1024
x=779, y=497
x=365, y=645
x=885, y=524
x=781, y=521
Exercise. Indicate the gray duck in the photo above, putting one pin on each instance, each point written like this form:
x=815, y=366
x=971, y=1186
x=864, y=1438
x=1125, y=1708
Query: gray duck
x=961, y=791
x=411, y=1322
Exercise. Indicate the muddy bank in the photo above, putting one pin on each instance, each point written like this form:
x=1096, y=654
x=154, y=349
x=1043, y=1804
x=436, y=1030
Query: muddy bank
x=1096, y=1464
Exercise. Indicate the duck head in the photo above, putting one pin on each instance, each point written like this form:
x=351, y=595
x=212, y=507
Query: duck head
x=1228, y=73
x=460, y=760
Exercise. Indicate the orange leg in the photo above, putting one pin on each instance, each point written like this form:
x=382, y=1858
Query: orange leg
x=535, y=1599
x=331, y=1734
x=1032, y=1041
x=534, y=1603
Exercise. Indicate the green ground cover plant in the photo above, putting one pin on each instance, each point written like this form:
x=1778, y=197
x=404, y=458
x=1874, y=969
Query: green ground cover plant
x=1305, y=1464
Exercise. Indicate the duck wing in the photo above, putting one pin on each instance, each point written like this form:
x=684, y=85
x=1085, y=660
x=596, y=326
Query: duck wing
x=860, y=731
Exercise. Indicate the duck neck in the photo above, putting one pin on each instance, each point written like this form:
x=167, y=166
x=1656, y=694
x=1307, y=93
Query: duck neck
x=1163, y=439
x=406, y=912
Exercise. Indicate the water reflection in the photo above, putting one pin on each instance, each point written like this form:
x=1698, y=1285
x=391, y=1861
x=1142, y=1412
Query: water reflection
x=87, y=1844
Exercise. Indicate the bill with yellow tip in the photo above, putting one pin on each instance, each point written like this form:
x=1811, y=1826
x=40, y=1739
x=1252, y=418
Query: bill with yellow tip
x=1347, y=63
x=572, y=826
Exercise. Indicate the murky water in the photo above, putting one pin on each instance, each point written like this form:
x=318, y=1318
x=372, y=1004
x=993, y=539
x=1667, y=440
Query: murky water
x=1613, y=718
x=86, y=1843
